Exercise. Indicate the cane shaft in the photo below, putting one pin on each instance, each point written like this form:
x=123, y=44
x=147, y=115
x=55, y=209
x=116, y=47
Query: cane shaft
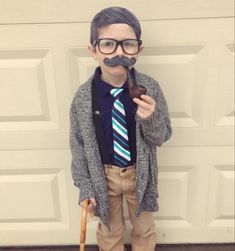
x=82, y=246
x=83, y=226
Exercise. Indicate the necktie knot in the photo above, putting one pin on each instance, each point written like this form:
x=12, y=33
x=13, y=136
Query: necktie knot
x=116, y=92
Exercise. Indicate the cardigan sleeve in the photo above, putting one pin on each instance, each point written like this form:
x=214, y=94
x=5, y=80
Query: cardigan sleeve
x=157, y=128
x=80, y=172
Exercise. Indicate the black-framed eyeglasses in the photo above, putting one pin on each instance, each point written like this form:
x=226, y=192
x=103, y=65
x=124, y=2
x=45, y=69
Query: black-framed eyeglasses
x=109, y=46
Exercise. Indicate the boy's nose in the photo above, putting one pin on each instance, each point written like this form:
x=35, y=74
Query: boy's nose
x=119, y=50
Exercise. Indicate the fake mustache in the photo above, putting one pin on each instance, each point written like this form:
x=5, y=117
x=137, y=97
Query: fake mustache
x=115, y=61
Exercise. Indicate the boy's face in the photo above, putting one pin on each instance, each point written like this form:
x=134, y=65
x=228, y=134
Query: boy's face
x=118, y=32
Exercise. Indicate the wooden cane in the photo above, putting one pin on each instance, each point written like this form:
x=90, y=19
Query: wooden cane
x=83, y=225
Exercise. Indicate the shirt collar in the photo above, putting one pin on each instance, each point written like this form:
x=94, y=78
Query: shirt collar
x=102, y=87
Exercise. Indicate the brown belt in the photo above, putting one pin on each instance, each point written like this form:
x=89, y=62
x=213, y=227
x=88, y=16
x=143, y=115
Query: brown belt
x=119, y=169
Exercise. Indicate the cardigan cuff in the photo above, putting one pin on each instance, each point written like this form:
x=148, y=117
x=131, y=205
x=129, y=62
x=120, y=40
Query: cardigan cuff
x=86, y=191
x=149, y=124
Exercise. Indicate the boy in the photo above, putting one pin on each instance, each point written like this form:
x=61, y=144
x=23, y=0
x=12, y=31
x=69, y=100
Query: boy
x=114, y=137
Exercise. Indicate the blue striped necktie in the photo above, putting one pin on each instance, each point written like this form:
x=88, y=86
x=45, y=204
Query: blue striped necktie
x=120, y=136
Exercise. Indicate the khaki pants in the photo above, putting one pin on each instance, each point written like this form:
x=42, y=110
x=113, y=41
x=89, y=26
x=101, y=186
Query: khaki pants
x=143, y=237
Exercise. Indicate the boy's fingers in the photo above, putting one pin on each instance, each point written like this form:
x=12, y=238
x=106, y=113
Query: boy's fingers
x=145, y=101
x=92, y=202
x=91, y=205
x=148, y=99
x=141, y=103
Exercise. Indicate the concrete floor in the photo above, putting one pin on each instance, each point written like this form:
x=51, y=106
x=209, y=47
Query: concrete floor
x=181, y=247
x=225, y=247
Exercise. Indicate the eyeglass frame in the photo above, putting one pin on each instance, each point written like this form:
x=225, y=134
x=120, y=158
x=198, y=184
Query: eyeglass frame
x=119, y=42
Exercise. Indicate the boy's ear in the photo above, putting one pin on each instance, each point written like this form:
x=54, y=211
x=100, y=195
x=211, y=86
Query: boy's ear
x=141, y=48
x=92, y=50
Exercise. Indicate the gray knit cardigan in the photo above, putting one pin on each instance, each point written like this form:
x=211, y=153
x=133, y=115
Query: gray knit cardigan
x=87, y=168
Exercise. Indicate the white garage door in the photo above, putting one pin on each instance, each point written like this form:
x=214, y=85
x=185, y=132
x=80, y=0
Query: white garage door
x=189, y=49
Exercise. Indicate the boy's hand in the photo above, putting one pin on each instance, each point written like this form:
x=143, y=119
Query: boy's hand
x=146, y=106
x=91, y=204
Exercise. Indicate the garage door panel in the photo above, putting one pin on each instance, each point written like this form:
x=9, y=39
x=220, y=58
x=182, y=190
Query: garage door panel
x=27, y=91
x=222, y=194
x=191, y=204
x=78, y=11
x=225, y=94
x=178, y=71
x=34, y=195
